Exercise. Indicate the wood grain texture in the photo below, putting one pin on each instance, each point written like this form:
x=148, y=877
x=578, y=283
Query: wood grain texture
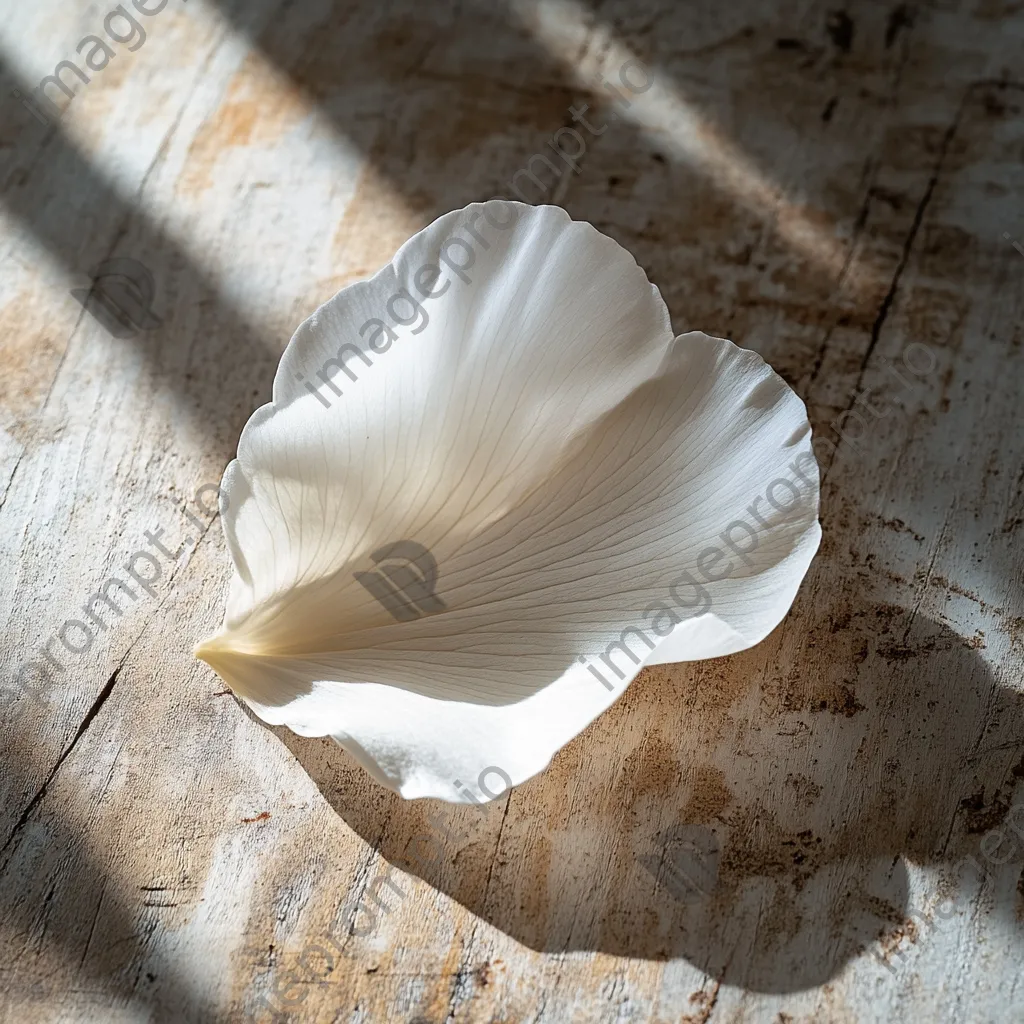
x=829, y=187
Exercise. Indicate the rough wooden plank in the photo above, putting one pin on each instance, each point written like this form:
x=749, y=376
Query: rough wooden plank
x=167, y=857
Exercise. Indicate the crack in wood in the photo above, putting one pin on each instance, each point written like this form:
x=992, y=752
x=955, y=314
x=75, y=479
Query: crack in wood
x=82, y=729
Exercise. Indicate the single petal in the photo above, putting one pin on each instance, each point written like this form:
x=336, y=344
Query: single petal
x=466, y=556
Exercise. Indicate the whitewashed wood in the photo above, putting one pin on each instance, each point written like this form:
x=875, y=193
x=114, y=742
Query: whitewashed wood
x=851, y=200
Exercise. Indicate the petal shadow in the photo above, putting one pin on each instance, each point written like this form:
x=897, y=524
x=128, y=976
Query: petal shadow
x=893, y=742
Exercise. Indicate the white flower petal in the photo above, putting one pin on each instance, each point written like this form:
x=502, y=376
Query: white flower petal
x=564, y=461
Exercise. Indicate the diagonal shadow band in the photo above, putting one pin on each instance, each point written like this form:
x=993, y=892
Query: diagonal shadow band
x=67, y=914
x=53, y=190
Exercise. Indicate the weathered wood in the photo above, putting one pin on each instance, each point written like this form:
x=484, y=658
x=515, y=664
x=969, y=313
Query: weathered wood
x=830, y=188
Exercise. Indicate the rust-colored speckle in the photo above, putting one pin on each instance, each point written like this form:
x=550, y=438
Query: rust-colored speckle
x=708, y=798
x=807, y=791
x=840, y=701
x=976, y=642
x=651, y=768
x=705, y=1003
x=899, y=526
x=954, y=588
x=1015, y=630
x=981, y=817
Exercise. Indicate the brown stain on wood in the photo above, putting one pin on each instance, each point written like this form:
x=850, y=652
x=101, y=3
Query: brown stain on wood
x=31, y=348
x=709, y=795
x=260, y=108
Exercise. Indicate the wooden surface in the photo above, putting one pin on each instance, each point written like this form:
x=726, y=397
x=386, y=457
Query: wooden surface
x=826, y=187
